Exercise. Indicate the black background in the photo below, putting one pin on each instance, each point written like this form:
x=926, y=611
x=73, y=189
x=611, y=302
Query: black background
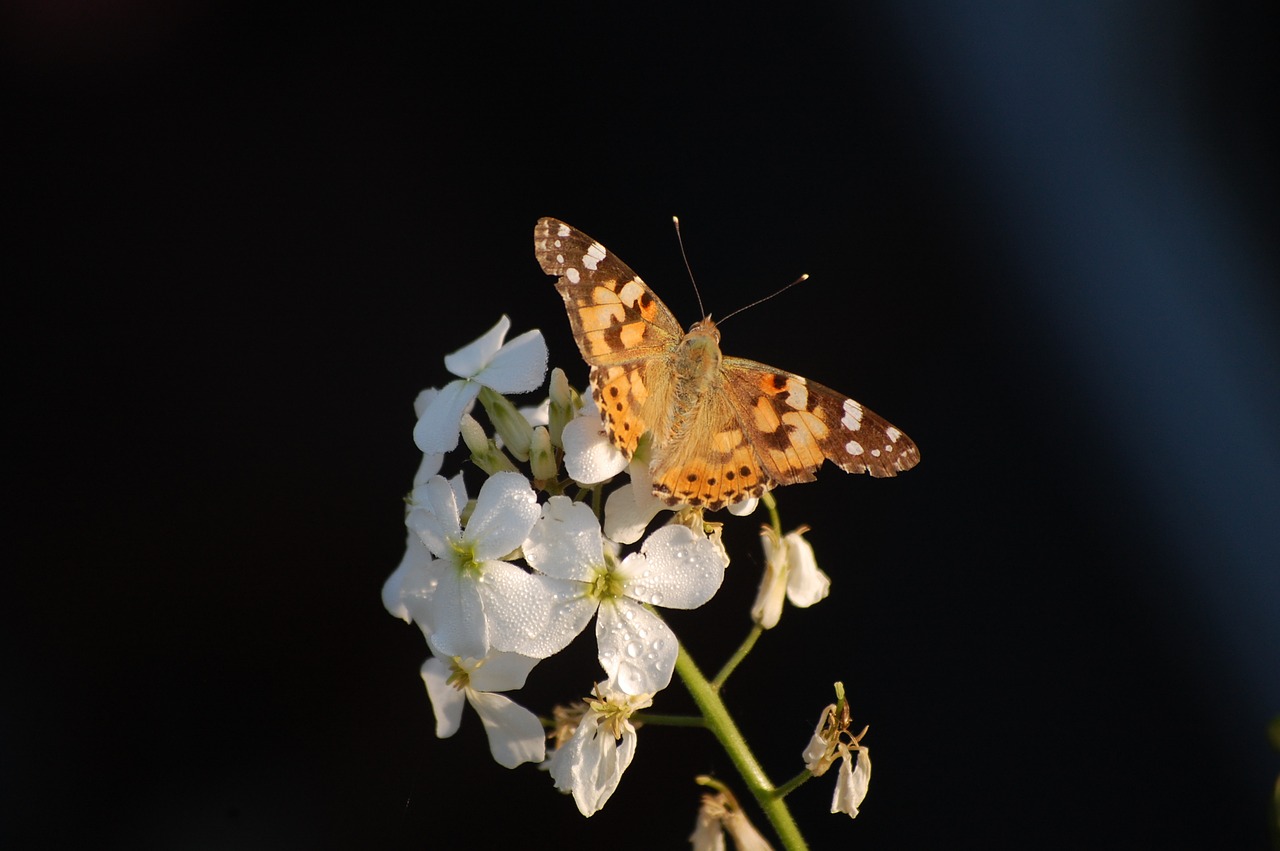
x=1043, y=243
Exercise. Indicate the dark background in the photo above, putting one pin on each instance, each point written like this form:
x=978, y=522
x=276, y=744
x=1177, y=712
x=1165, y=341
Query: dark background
x=1041, y=242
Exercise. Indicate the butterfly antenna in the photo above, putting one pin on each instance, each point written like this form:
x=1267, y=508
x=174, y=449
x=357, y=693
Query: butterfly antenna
x=798, y=280
x=675, y=220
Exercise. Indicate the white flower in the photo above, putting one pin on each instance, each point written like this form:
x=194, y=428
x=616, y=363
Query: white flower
x=516, y=367
x=675, y=568
x=515, y=734
x=412, y=582
x=480, y=601
x=590, y=764
x=790, y=569
x=851, y=785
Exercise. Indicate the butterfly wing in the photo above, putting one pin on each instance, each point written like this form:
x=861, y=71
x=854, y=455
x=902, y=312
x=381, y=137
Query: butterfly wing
x=622, y=328
x=794, y=424
x=711, y=463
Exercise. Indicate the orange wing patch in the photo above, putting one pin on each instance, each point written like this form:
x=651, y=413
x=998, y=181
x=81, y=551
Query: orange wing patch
x=620, y=393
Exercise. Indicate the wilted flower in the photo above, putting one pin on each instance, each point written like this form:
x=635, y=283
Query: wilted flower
x=790, y=570
x=590, y=764
x=719, y=814
x=834, y=740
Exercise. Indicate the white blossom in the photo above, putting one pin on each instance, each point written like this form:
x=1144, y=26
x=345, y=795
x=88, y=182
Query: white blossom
x=518, y=366
x=479, y=601
x=590, y=764
x=675, y=568
x=412, y=582
x=515, y=734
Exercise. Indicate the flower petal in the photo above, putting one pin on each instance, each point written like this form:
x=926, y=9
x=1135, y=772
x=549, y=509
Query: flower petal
x=851, y=785
x=518, y=606
x=676, y=568
x=446, y=701
x=628, y=510
x=519, y=366
x=476, y=355
x=455, y=614
x=806, y=583
x=589, y=456
x=437, y=429
x=515, y=734
x=502, y=671
x=506, y=509
x=566, y=541
x=411, y=579
x=636, y=649
x=433, y=515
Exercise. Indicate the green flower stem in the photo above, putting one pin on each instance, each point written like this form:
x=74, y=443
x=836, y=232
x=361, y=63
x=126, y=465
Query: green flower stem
x=794, y=783
x=736, y=659
x=721, y=724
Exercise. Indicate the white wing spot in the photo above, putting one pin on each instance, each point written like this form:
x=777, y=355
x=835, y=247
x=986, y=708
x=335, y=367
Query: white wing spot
x=595, y=253
x=853, y=447
x=888, y=448
x=852, y=419
x=560, y=259
x=875, y=453
x=893, y=434
x=564, y=231
x=798, y=394
x=572, y=274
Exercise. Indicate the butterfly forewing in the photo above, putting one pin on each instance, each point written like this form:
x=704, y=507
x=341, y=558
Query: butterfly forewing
x=615, y=316
x=795, y=423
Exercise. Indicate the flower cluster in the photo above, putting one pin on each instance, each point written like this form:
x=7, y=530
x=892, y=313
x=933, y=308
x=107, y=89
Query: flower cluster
x=563, y=529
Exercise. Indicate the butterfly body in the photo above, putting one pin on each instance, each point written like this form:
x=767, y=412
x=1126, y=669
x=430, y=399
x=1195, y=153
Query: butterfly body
x=722, y=429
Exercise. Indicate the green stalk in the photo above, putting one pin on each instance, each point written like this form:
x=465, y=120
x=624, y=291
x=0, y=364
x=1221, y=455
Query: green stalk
x=726, y=731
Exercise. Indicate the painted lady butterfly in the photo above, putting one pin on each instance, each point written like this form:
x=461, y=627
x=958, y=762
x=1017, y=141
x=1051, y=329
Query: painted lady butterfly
x=723, y=429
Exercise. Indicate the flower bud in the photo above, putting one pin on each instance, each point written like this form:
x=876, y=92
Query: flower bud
x=542, y=458
x=511, y=425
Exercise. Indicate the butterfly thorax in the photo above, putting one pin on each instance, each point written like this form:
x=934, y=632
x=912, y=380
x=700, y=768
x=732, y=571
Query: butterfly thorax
x=698, y=356
x=696, y=370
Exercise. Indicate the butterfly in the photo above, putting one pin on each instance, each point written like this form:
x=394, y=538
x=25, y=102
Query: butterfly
x=723, y=429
